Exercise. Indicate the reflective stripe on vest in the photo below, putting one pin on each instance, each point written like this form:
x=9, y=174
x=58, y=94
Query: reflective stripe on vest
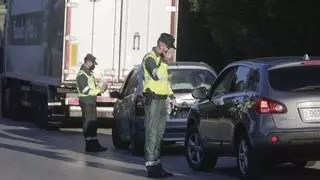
x=92, y=86
x=161, y=86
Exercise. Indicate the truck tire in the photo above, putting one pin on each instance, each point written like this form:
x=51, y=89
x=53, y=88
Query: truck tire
x=16, y=109
x=42, y=119
x=41, y=113
x=6, y=102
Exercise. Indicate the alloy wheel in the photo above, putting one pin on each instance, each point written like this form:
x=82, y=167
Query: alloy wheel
x=195, y=150
x=243, y=157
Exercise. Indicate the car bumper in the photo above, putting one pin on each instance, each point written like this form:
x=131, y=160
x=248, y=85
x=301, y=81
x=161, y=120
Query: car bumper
x=290, y=145
x=174, y=132
x=102, y=112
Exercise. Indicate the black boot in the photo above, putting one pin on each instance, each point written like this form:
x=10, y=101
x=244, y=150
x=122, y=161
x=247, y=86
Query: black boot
x=94, y=146
x=156, y=171
x=98, y=145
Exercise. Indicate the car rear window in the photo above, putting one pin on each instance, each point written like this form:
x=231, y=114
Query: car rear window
x=189, y=79
x=298, y=78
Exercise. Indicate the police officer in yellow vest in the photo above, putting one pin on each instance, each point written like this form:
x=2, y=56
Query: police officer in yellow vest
x=156, y=89
x=87, y=93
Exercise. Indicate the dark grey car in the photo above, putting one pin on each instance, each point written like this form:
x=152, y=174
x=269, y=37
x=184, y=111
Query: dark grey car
x=263, y=111
x=128, y=111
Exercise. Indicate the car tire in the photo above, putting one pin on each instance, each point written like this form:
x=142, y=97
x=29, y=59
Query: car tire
x=116, y=139
x=248, y=163
x=197, y=157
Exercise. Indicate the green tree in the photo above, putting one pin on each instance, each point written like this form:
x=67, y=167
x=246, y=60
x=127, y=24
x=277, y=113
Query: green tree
x=255, y=28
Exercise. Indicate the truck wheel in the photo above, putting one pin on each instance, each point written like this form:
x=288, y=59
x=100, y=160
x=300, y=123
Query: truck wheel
x=16, y=109
x=116, y=139
x=248, y=163
x=197, y=157
x=42, y=119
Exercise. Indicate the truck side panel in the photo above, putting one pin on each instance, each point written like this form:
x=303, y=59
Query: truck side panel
x=78, y=42
x=34, y=44
x=142, y=25
x=118, y=32
x=135, y=35
x=93, y=31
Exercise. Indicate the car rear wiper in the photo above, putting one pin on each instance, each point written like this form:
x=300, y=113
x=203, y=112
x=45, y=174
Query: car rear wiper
x=182, y=90
x=306, y=88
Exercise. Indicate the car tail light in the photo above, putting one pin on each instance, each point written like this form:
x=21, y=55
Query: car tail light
x=274, y=139
x=312, y=62
x=73, y=101
x=105, y=99
x=268, y=106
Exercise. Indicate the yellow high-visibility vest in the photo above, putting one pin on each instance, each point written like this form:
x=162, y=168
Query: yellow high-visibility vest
x=92, y=85
x=161, y=86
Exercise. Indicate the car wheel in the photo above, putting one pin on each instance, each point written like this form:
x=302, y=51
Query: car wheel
x=116, y=139
x=197, y=157
x=248, y=163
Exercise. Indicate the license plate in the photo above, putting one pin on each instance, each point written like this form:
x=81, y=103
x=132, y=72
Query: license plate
x=310, y=114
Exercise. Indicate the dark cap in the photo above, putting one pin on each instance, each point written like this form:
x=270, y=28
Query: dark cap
x=167, y=39
x=90, y=57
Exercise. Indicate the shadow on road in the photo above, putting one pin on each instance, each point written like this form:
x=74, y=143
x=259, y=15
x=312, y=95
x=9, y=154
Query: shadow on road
x=51, y=145
x=277, y=173
x=62, y=157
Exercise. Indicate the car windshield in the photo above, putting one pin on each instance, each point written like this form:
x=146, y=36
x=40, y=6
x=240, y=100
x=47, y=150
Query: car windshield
x=295, y=79
x=189, y=79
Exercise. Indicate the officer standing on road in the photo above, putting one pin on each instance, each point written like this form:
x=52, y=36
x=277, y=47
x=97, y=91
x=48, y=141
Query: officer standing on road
x=87, y=93
x=156, y=89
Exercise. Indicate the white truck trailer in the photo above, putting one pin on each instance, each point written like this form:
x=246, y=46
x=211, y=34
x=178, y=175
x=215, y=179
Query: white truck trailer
x=46, y=40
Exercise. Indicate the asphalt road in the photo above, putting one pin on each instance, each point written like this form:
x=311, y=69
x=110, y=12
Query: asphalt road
x=27, y=152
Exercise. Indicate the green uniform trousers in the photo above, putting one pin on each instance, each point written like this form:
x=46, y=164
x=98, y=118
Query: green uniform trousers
x=155, y=122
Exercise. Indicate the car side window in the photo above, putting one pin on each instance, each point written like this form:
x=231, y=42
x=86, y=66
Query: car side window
x=240, y=82
x=132, y=84
x=222, y=85
x=253, y=80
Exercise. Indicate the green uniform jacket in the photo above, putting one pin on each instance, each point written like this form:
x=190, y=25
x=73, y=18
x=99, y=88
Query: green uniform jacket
x=82, y=83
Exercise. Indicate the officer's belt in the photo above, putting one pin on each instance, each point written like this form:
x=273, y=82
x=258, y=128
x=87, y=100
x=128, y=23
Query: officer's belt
x=159, y=79
x=155, y=96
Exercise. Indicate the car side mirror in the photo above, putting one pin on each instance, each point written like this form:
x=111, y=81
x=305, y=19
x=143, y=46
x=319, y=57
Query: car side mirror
x=115, y=94
x=199, y=93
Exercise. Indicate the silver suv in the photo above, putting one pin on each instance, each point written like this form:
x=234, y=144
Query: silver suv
x=263, y=111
